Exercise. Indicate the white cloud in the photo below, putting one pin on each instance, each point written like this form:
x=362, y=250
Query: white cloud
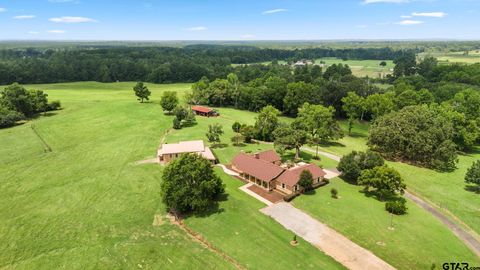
x=405, y=16
x=272, y=11
x=197, y=28
x=70, y=19
x=409, y=22
x=2, y=9
x=366, y=2
x=24, y=17
x=33, y=32
x=430, y=14
x=57, y=31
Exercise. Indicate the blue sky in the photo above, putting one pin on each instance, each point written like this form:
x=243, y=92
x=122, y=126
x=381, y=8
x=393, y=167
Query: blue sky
x=238, y=19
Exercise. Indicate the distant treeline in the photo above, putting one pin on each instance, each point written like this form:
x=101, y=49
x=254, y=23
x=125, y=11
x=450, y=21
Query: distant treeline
x=156, y=64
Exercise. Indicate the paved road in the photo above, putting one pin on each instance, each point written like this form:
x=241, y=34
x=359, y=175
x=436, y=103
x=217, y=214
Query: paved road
x=465, y=236
x=325, y=154
x=326, y=239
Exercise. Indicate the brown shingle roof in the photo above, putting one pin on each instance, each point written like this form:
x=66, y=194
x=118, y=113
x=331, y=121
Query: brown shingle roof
x=258, y=168
x=269, y=156
x=290, y=177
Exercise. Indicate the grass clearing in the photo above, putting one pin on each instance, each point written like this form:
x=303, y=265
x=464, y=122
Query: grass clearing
x=446, y=190
x=86, y=205
x=417, y=241
x=454, y=57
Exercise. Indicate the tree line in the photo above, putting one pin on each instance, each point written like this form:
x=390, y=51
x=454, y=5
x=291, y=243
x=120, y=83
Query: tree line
x=154, y=64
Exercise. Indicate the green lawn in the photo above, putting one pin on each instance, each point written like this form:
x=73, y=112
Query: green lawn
x=446, y=190
x=454, y=57
x=253, y=238
x=86, y=205
x=417, y=241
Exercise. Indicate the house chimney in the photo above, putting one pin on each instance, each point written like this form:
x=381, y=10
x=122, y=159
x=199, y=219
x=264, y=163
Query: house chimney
x=256, y=155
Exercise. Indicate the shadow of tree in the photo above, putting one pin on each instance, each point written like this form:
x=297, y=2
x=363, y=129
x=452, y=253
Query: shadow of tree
x=473, y=188
x=214, y=208
x=380, y=196
x=219, y=145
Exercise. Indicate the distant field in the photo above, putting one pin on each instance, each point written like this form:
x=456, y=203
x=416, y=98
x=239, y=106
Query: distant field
x=360, y=68
x=455, y=57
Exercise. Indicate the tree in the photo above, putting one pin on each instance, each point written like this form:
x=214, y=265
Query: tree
x=288, y=138
x=420, y=134
x=16, y=98
x=236, y=127
x=397, y=207
x=407, y=98
x=39, y=101
x=190, y=184
x=177, y=124
x=9, y=117
x=354, y=107
x=306, y=180
x=427, y=66
x=297, y=94
x=385, y=181
x=383, y=64
x=334, y=193
x=169, y=101
x=214, y=133
x=380, y=104
x=190, y=118
x=248, y=133
x=352, y=164
x=405, y=65
x=142, y=92
x=266, y=123
x=473, y=174
x=319, y=122
x=234, y=85
x=180, y=112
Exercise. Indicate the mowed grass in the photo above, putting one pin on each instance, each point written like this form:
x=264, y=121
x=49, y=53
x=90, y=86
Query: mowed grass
x=87, y=205
x=446, y=190
x=241, y=230
x=417, y=241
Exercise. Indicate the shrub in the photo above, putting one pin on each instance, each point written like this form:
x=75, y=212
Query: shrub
x=177, y=124
x=398, y=207
x=9, y=117
x=334, y=193
x=54, y=105
x=473, y=174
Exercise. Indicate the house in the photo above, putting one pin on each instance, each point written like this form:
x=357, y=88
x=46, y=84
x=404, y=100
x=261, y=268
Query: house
x=287, y=182
x=303, y=62
x=169, y=152
x=269, y=156
x=204, y=111
x=258, y=171
x=265, y=170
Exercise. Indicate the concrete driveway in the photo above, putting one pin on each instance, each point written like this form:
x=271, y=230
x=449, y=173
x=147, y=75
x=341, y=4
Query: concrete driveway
x=326, y=239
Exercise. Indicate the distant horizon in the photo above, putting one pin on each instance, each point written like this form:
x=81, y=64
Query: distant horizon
x=239, y=20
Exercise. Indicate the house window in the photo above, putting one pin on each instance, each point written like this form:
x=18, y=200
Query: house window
x=295, y=187
x=283, y=185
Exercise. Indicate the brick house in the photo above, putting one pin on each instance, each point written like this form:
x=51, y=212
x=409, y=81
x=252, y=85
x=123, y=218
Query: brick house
x=264, y=169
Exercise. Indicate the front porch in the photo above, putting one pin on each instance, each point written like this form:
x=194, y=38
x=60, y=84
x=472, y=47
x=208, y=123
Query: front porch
x=258, y=182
